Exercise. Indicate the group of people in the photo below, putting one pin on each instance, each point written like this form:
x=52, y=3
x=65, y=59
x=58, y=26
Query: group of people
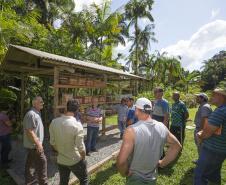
x=144, y=130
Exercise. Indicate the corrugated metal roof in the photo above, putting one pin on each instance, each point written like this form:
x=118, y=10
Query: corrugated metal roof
x=19, y=57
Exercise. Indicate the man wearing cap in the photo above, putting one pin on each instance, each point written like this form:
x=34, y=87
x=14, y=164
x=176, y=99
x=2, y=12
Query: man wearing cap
x=212, y=138
x=203, y=113
x=122, y=110
x=143, y=145
x=179, y=116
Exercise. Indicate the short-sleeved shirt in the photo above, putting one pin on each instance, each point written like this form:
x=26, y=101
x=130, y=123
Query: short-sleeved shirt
x=95, y=113
x=4, y=129
x=161, y=107
x=122, y=111
x=78, y=116
x=131, y=115
x=32, y=119
x=217, y=143
x=67, y=134
x=178, y=111
x=204, y=111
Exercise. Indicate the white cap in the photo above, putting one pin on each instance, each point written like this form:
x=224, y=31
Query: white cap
x=202, y=95
x=141, y=102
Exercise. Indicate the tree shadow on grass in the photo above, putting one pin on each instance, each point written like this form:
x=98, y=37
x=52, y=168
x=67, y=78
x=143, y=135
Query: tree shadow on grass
x=187, y=177
x=103, y=176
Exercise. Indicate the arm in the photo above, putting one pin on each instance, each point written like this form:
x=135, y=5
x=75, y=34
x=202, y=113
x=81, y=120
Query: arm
x=166, y=119
x=202, y=123
x=207, y=132
x=174, y=149
x=130, y=122
x=83, y=155
x=31, y=135
x=94, y=119
x=79, y=142
x=125, y=151
x=186, y=116
x=10, y=123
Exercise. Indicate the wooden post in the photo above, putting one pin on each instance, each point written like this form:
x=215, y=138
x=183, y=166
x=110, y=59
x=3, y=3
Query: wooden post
x=131, y=83
x=103, y=137
x=56, y=90
x=22, y=99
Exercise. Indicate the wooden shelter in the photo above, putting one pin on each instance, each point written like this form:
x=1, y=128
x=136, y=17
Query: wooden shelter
x=23, y=61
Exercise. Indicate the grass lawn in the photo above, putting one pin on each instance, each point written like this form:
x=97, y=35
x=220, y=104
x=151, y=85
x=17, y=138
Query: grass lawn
x=180, y=172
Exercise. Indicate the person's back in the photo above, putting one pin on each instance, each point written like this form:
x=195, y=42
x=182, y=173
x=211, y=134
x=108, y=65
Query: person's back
x=149, y=144
x=67, y=133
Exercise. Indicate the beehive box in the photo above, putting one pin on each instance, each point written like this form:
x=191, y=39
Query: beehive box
x=66, y=97
x=73, y=81
x=79, y=98
x=101, y=99
x=96, y=82
x=64, y=80
x=87, y=99
x=81, y=81
x=89, y=82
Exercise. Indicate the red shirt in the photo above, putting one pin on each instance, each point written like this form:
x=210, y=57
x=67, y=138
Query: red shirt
x=4, y=129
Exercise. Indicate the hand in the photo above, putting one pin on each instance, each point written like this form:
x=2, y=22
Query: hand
x=39, y=148
x=160, y=163
x=125, y=119
x=198, y=137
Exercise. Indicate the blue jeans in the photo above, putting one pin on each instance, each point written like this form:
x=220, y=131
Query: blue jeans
x=79, y=170
x=208, y=167
x=198, y=146
x=121, y=127
x=6, y=148
x=92, y=135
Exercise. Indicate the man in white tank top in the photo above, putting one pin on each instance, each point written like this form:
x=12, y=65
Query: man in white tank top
x=142, y=147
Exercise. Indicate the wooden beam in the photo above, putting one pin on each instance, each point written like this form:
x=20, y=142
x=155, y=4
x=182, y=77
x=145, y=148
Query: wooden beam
x=70, y=70
x=56, y=90
x=104, y=105
x=49, y=71
x=22, y=99
x=90, y=87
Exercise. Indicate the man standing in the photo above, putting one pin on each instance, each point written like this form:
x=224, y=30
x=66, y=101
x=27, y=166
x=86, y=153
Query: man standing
x=122, y=110
x=179, y=116
x=161, y=110
x=203, y=113
x=143, y=145
x=210, y=160
x=33, y=138
x=93, y=115
x=131, y=118
x=5, y=130
x=66, y=136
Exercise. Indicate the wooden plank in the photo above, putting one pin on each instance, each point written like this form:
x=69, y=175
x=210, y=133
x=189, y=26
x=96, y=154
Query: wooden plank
x=15, y=177
x=22, y=99
x=90, y=87
x=48, y=71
x=56, y=90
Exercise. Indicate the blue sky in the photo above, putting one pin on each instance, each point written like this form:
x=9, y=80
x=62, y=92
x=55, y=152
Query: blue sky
x=193, y=29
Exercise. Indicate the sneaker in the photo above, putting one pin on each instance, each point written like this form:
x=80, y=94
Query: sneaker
x=94, y=150
x=88, y=154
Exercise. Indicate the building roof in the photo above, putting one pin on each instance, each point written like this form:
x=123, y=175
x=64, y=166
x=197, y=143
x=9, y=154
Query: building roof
x=26, y=61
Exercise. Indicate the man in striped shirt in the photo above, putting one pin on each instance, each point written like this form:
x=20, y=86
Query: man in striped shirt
x=209, y=164
x=93, y=115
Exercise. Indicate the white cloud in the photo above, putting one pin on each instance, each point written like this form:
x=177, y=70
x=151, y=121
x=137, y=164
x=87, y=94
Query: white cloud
x=215, y=13
x=210, y=37
x=123, y=49
x=57, y=23
x=79, y=4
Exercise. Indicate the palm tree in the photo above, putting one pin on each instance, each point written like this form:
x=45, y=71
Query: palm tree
x=134, y=10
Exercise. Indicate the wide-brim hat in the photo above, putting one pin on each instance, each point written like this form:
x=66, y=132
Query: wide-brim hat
x=219, y=90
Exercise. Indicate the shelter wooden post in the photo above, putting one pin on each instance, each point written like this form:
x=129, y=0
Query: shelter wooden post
x=131, y=83
x=103, y=137
x=22, y=99
x=56, y=90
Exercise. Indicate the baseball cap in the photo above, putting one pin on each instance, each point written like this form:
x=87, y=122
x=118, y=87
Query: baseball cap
x=202, y=95
x=143, y=104
x=219, y=90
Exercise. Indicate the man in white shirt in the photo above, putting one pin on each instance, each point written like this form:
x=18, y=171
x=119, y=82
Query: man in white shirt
x=66, y=136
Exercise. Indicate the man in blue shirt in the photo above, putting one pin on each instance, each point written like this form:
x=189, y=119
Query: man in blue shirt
x=131, y=118
x=212, y=138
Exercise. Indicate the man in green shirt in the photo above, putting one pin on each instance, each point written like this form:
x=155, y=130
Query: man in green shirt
x=179, y=116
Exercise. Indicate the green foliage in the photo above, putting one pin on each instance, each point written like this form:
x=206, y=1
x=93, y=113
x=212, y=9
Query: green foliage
x=7, y=97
